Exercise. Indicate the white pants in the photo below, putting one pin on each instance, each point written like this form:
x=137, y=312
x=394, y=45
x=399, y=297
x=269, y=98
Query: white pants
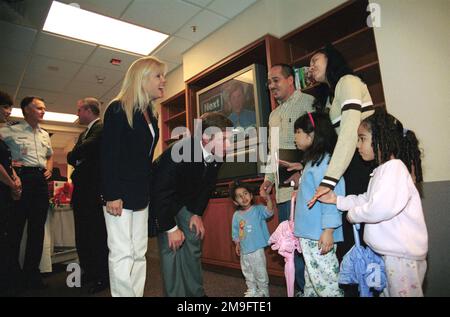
x=404, y=277
x=253, y=267
x=127, y=243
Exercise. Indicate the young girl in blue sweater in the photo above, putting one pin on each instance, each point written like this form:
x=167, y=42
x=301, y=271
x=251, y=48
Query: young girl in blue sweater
x=320, y=227
x=251, y=235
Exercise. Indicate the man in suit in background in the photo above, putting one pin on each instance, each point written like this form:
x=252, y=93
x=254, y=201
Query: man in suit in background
x=90, y=229
x=184, y=179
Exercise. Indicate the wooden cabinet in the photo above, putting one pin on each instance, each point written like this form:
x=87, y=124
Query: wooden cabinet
x=173, y=115
x=346, y=28
x=218, y=247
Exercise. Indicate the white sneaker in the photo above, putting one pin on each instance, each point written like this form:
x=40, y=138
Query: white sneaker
x=250, y=293
x=263, y=293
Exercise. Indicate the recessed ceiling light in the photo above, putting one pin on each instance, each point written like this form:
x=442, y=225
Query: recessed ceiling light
x=49, y=116
x=91, y=27
x=100, y=79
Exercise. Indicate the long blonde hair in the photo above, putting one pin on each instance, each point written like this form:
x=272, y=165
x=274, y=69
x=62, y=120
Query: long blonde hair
x=132, y=95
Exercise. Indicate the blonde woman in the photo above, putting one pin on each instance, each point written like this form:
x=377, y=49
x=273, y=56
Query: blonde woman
x=130, y=135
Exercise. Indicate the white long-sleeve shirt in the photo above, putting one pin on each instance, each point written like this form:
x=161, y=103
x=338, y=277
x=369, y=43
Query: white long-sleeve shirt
x=392, y=211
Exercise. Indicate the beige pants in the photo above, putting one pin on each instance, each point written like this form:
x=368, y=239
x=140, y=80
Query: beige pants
x=404, y=277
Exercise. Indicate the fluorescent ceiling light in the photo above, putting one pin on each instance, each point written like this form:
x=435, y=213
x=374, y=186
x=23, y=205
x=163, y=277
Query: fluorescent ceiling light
x=49, y=116
x=87, y=26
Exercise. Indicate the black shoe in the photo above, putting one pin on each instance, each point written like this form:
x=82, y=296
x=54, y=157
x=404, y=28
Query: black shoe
x=87, y=279
x=98, y=287
x=36, y=284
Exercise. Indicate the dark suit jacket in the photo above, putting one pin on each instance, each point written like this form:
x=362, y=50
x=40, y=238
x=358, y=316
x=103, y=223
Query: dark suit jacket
x=180, y=184
x=86, y=176
x=126, y=157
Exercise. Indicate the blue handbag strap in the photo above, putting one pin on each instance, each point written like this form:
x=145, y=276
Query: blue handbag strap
x=356, y=228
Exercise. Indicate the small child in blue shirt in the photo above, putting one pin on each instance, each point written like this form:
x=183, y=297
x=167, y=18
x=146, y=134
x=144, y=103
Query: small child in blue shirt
x=251, y=235
x=320, y=227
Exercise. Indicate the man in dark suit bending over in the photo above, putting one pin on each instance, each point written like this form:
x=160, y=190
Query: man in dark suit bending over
x=184, y=177
x=90, y=229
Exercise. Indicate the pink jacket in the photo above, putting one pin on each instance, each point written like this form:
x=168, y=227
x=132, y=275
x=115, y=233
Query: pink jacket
x=392, y=211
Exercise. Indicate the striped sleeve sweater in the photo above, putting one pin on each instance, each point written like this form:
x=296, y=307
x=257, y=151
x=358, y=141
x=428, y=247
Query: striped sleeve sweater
x=352, y=104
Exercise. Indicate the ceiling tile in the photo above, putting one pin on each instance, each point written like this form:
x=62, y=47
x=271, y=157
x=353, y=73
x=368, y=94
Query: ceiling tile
x=201, y=3
x=160, y=15
x=102, y=57
x=9, y=89
x=171, y=66
x=12, y=59
x=49, y=67
x=62, y=48
x=111, y=8
x=51, y=83
x=16, y=37
x=174, y=49
x=89, y=74
x=109, y=95
x=230, y=8
x=206, y=22
x=10, y=75
x=86, y=89
x=12, y=65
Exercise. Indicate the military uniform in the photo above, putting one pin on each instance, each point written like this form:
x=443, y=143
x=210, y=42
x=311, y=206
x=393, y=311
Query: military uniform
x=31, y=148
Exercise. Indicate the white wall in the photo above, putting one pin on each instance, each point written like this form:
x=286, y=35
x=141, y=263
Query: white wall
x=250, y=25
x=276, y=17
x=295, y=13
x=175, y=83
x=413, y=49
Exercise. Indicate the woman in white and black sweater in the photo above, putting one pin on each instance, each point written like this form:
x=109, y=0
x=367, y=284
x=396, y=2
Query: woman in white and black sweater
x=348, y=100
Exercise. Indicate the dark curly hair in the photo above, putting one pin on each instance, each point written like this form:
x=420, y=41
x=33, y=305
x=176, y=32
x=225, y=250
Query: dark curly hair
x=325, y=136
x=235, y=186
x=337, y=67
x=411, y=153
x=389, y=138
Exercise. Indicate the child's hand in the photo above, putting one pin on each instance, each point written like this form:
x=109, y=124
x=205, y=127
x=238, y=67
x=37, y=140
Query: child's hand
x=238, y=249
x=264, y=194
x=328, y=198
x=349, y=218
x=266, y=187
x=294, y=178
x=268, y=200
x=326, y=242
x=291, y=166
